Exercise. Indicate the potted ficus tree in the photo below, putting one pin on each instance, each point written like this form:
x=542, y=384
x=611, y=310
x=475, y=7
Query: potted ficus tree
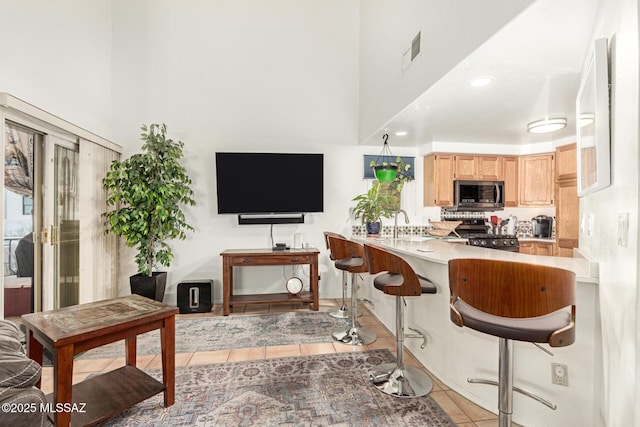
x=371, y=207
x=147, y=191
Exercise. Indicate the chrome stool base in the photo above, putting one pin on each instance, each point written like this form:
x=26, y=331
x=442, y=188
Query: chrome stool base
x=401, y=382
x=355, y=336
x=342, y=313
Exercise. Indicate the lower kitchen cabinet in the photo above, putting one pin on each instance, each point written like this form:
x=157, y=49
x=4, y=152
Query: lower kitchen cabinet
x=536, y=248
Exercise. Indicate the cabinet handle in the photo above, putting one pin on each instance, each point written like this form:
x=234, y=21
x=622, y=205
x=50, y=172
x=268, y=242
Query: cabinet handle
x=247, y=260
x=295, y=259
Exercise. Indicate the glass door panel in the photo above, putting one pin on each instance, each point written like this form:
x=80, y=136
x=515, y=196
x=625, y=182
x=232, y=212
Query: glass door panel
x=21, y=289
x=64, y=232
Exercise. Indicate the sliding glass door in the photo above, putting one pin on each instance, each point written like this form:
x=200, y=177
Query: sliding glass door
x=60, y=216
x=41, y=221
x=21, y=281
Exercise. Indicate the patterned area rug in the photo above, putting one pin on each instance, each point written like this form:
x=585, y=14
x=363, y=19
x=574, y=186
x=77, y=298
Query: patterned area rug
x=331, y=389
x=218, y=333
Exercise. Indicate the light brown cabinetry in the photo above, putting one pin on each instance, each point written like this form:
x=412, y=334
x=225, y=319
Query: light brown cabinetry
x=510, y=177
x=439, y=173
x=567, y=205
x=536, y=248
x=478, y=167
x=566, y=162
x=536, y=180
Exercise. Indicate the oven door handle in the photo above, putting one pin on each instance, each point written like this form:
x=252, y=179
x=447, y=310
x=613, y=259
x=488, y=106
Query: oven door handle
x=498, y=198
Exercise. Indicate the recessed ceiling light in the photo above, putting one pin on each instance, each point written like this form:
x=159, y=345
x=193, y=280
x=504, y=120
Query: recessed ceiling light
x=480, y=81
x=547, y=125
x=401, y=132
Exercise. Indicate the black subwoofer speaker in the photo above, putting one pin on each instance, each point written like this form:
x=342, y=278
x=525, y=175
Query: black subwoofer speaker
x=195, y=296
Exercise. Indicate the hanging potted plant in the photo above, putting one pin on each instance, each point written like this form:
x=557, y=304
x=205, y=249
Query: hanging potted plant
x=147, y=191
x=371, y=207
x=384, y=169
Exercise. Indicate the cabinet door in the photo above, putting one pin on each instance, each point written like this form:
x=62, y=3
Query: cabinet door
x=465, y=167
x=510, y=176
x=567, y=207
x=438, y=180
x=536, y=177
x=566, y=162
x=526, y=248
x=489, y=167
x=545, y=249
x=536, y=248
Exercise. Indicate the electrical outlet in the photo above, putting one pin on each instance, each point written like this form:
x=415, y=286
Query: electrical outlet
x=560, y=374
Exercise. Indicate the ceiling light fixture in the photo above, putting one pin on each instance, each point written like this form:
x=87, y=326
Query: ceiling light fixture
x=480, y=81
x=401, y=133
x=586, y=119
x=547, y=125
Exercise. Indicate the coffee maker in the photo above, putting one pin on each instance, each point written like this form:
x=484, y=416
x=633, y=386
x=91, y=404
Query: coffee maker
x=542, y=226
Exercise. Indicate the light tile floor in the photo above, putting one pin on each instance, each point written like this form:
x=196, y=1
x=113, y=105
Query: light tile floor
x=461, y=410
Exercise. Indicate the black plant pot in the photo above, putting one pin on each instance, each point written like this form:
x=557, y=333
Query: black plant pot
x=150, y=287
x=373, y=228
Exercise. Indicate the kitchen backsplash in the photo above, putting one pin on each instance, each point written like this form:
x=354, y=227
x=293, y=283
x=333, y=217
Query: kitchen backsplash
x=523, y=227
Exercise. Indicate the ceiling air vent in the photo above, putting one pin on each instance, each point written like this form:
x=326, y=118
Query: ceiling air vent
x=412, y=52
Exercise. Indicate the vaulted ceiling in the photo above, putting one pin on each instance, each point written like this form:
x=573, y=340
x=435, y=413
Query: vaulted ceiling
x=535, y=63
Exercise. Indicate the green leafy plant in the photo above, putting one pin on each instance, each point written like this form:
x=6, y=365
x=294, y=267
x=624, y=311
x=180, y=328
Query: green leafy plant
x=403, y=171
x=373, y=205
x=147, y=191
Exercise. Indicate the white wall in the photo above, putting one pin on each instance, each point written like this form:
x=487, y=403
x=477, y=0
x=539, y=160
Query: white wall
x=617, y=20
x=451, y=30
x=277, y=76
x=57, y=56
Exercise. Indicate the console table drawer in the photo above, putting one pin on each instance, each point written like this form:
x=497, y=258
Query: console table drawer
x=270, y=260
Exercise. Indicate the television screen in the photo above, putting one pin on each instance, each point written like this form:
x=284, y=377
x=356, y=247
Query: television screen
x=267, y=183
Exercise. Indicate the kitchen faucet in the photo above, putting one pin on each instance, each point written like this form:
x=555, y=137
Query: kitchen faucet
x=395, y=222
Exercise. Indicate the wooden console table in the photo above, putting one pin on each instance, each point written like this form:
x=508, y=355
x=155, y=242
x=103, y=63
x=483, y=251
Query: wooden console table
x=75, y=329
x=255, y=257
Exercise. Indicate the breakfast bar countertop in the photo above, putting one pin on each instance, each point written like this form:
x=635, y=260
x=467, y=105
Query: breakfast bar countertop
x=442, y=250
x=455, y=354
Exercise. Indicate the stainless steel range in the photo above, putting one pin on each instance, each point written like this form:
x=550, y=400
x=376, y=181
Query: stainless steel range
x=503, y=242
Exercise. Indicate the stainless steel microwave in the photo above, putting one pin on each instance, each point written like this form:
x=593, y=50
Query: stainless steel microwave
x=478, y=195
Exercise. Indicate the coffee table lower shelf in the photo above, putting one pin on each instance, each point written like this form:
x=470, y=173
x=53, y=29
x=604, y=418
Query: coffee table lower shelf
x=283, y=297
x=110, y=394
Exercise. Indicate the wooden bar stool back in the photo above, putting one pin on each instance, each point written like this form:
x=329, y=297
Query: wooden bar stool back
x=349, y=257
x=513, y=301
x=400, y=280
x=342, y=312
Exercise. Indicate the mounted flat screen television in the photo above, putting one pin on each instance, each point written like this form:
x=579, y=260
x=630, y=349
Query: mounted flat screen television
x=272, y=187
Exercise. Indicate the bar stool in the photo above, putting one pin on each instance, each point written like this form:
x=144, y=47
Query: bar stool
x=513, y=301
x=350, y=258
x=400, y=280
x=341, y=312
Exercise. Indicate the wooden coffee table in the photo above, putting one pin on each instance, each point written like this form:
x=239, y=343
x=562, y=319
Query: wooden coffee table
x=72, y=330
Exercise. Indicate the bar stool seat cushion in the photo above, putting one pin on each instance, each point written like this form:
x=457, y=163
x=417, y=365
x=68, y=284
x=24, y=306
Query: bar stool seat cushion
x=531, y=329
x=394, y=279
x=347, y=263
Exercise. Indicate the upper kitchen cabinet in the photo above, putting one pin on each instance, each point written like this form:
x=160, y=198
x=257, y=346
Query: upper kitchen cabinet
x=566, y=162
x=510, y=177
x=536, y=182
x=439, y=172
x=478, y=167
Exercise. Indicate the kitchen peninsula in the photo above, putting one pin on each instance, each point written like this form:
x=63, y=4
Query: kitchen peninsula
x=455, y=354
